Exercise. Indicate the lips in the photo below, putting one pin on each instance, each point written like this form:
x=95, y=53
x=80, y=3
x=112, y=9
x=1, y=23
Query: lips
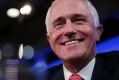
x=72, y=41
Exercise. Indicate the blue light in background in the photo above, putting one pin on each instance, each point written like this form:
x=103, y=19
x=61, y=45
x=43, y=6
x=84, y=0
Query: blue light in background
x=55, y=63
x=116, y=15
x=108, y=45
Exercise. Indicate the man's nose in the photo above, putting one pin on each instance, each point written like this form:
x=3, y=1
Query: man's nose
x=69, y=29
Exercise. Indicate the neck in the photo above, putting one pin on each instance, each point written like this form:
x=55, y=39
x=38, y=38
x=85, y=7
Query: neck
x=75, y=66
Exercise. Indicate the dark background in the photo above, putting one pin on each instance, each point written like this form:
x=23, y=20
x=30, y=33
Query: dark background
x=31, y=29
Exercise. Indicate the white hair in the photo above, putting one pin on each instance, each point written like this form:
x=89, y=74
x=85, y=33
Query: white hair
x=47, y=20
x=91, y=8
x=94, y=14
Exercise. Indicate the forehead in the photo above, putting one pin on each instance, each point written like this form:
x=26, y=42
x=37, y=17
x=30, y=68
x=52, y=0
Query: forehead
x=61, y=8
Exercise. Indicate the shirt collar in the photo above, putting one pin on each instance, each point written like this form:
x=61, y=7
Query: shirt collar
x=85, y=72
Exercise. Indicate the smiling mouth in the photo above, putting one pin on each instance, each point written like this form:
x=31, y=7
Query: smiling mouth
x=74, y=41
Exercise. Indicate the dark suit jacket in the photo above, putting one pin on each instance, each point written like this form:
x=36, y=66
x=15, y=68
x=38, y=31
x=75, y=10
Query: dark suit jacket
x=106, y=68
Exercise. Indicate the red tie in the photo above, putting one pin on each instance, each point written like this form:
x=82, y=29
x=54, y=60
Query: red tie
x=75, y=77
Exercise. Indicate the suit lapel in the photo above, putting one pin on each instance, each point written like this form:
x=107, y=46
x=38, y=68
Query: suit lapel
x=59, y=75
x=56, y=73
x=101, y=69
x=97, y=72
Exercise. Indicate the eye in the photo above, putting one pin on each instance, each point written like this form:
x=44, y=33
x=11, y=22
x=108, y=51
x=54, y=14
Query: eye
x=59, y=23
x=78, y=20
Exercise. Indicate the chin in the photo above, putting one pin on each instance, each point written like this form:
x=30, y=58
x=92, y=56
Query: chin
x=73, y=56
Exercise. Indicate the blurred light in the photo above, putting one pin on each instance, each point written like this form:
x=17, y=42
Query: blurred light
x=1, y=74
x=11, y=70
x=41, y=65
x=28, y=52
x=0, y=55
x=13, y=12
x=108, y=45
x=7, y=51
x=116, y=15
x=40, y=70
x=55, y=63
x=21, y=51
x=26, y=10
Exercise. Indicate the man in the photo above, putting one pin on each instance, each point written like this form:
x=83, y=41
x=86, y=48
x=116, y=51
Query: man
x=72, y=30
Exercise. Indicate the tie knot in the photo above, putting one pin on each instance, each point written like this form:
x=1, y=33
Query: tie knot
x=75, y=77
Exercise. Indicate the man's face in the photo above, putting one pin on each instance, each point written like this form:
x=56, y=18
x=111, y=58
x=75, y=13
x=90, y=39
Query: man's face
x=72, y=34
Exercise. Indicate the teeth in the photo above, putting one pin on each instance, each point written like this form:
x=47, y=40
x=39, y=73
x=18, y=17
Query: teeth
x=71, y=42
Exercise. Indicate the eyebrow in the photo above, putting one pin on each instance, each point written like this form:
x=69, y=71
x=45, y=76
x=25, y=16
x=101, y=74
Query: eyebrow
x=57, y=20
x=79, y=15
x=74, y=15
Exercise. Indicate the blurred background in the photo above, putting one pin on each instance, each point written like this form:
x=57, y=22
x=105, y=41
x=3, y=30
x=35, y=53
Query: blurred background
x=24, y=49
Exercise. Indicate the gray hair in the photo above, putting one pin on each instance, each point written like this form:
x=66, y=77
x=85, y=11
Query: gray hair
x=91, y=8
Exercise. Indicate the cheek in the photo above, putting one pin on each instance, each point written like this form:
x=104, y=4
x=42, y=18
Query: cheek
x=52, y=41
x=55, y=38
x=86, y=31
x=56, y=35
x=90, y=34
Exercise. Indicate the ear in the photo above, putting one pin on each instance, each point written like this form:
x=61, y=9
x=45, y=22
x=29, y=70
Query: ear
x=99, y=31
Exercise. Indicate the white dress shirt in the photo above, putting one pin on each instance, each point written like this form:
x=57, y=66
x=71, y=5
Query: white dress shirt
x=85, y=73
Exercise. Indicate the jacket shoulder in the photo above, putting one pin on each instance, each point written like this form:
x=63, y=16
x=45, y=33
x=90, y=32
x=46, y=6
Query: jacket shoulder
x=112, y=54
x=109, y=57
x=55, y=73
